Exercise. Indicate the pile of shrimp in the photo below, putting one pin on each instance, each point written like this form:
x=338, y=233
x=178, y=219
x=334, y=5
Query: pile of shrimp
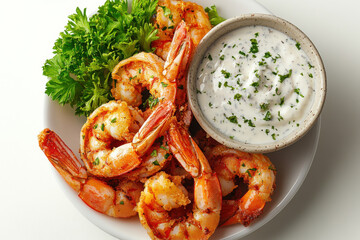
x=145, y=161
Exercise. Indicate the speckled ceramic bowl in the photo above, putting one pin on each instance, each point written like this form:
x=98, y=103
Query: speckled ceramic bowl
x=284, y=27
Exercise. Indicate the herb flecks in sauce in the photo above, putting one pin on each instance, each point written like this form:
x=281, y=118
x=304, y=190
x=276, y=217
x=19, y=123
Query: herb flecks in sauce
x=253, y=93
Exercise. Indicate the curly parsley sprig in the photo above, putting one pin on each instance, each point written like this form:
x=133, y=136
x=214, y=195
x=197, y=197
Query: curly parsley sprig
x=88, y=49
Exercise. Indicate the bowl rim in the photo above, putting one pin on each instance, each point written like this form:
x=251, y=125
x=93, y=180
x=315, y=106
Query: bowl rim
x=285, y=27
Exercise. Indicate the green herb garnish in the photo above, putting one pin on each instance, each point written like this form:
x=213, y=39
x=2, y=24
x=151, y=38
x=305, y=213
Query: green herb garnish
x=88, y=49
x=268, y=116
x=96, y=161
x=283, y=77
x=225, y=73
x=214, y=17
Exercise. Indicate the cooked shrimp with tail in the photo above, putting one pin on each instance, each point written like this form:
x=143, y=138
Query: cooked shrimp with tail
x=142, y=71
x=118, y=201
x=168, y=16
x=256, y=170
x=165, y=198
x=104, y=147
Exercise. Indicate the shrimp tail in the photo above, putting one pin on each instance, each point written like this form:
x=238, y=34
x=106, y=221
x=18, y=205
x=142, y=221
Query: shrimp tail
x=182, y=147
x=62, y=158
x=243, y=211
x=95, y=193
x=153, y=127
x=179, y=53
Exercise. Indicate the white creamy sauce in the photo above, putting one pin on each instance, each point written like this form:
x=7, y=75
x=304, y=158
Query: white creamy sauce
x=255, y=84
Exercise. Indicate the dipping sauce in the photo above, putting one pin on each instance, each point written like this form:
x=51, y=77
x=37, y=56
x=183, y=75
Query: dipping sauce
x=255, y=84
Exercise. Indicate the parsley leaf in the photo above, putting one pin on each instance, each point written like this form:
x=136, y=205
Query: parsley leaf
x=214, y=17
x=88, y=49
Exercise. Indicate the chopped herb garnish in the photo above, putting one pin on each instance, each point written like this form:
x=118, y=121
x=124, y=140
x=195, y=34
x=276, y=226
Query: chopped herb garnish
x=156, y=163
x=268, y=116
x=273, y=136
x=151, y=101
x=264, y=106
x=225, y=73
x=167, y=155
x=210, y=104
x=282, y=100
x=297, y=91
x=275, y=58
x=219, y=84
x=167, y=12
x=242, y=53
x=122, y=202
x=210, y=57
x=96, y=125
x=237, y=96
x=279, y=116
x=232, y=119
x=310, y=75
x=180, y=87
x=96, y=161
x=262, y=63
x=310, y=66
x=277, y=91
x=249, y=122
x=113, y=120
x=164, y=84
x=267, y=55
x=153, y=153
x=255, y=85
x=283, y=77
x=222, y=57
x=298, y=45
x=102, y=127
x=131, y=78
x=226, y=84
x=250, y=169
x=254, y=46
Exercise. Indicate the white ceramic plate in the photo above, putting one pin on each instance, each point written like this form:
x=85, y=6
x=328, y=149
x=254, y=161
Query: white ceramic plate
x=292, y=163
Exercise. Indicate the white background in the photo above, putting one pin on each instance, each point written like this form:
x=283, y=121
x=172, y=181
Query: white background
x=32, y=205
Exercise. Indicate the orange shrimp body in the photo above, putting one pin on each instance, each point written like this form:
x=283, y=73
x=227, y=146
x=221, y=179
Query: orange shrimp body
x=254, y=169
x=164, y=194
x=119, y=201
x=169, y=14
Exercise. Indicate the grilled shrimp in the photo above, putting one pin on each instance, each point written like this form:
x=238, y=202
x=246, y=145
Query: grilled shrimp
x=254, y=169
x=143, y=70
x=107, y=147
x=156, y=159
x=118, y=201
x=169, y=14
x=164, y=195
x=176, y=64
